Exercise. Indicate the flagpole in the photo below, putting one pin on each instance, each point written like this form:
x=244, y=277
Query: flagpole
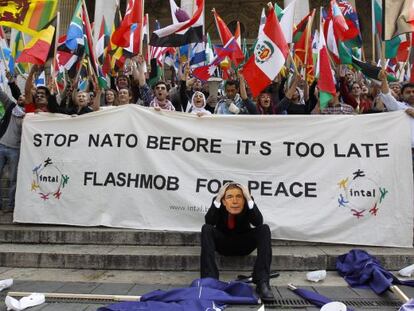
x=189, y=45
x=57, y=35
x=148, y=34
x=373, y=30
x=142, y=28
x=88, y=25
x=308, y=32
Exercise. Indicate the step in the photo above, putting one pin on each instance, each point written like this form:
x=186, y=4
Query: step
x=182, y=258
x=42, y=234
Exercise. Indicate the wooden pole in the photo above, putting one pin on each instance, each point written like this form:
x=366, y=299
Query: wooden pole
x=308, y=33
x=57, y=34
x=373, y=31
x=142, y=29
x=79, y=296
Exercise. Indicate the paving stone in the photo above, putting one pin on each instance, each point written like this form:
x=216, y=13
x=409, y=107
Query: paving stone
x=78, y=287
x=112, y=289
x=36, y=286
x=94, y=307
x=65, y=307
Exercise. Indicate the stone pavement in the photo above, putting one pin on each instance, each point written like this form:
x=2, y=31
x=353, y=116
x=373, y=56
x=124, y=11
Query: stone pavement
x=137, y=283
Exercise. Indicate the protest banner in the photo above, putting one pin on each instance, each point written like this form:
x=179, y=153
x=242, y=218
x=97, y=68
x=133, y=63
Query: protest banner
x=338, y=179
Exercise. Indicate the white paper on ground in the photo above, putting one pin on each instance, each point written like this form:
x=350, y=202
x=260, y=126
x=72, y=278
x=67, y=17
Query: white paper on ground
x=316, y=276
x=407, y=271
x=25, y=302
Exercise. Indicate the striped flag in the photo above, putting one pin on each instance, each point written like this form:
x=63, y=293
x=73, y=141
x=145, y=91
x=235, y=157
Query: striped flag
x=75, y=33
x=37, y=50
x=181, y=33
x=269, y=56
x=326, y=82
x=27, y=16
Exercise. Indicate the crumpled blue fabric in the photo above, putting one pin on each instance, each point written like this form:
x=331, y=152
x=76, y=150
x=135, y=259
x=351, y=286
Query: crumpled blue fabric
x=408, y=306
x=206, y=294
x=360, y=269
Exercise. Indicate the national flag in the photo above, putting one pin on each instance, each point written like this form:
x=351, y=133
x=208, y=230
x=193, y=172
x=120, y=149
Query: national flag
x=103, y=41
x=135, y=32
x=269, y=55
x=178, y=15
x=27, y=16
x=369, y=70
x=89, y=47
x=245, y=49
x=133, y=16
x=205, y=72
x=398, y=17
x=262, y=21
x=41, y=79
x=223, y=31
x=5, y=50
x=353, y=34
x=158, y=52
x=16, y=47
x=392, y=46
x=377, y=16
x=344, y=54
x=338, y=18
x=209, y=50
x=331, y=42
x=237, y=34
x=287, y=21
x=303, y=47
x=181, y=33
x=37, y=50
x=198, y=54
x=75, y=33
x=155, y=73
x=225, y=34
x=326, y=82
x=301, y=27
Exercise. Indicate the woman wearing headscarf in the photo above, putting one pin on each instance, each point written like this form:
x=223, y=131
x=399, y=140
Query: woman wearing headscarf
x=198, y=104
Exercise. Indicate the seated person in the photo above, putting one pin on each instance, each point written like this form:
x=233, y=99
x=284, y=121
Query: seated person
x=228, y=230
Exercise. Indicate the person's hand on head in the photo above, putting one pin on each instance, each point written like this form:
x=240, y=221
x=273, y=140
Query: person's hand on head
x=221, y=192
x=246, y=192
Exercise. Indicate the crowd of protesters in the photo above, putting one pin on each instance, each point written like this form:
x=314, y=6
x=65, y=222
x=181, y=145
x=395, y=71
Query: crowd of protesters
x=287, y=94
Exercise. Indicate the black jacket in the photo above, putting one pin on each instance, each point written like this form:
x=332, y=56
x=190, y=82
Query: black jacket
x=218, y=217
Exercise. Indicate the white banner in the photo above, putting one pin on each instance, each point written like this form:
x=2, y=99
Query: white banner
x=339, y=179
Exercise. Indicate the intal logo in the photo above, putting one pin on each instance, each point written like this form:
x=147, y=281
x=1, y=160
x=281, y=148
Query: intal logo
x=48, y=181
x=361, y=194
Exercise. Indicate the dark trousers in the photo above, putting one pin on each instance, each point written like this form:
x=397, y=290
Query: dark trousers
x=213, y=240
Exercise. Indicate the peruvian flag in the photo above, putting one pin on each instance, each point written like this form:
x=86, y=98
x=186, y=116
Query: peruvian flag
x=326, y=82
x=269, y=55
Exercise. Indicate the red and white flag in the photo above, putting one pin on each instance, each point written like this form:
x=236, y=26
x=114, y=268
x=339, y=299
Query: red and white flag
x=269, y=55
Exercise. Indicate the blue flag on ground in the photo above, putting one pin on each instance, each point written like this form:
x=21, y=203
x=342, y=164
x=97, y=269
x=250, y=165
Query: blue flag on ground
x=203, y=294
x=360, y=269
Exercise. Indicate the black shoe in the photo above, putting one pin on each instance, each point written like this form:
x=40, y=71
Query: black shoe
x=264, y=291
